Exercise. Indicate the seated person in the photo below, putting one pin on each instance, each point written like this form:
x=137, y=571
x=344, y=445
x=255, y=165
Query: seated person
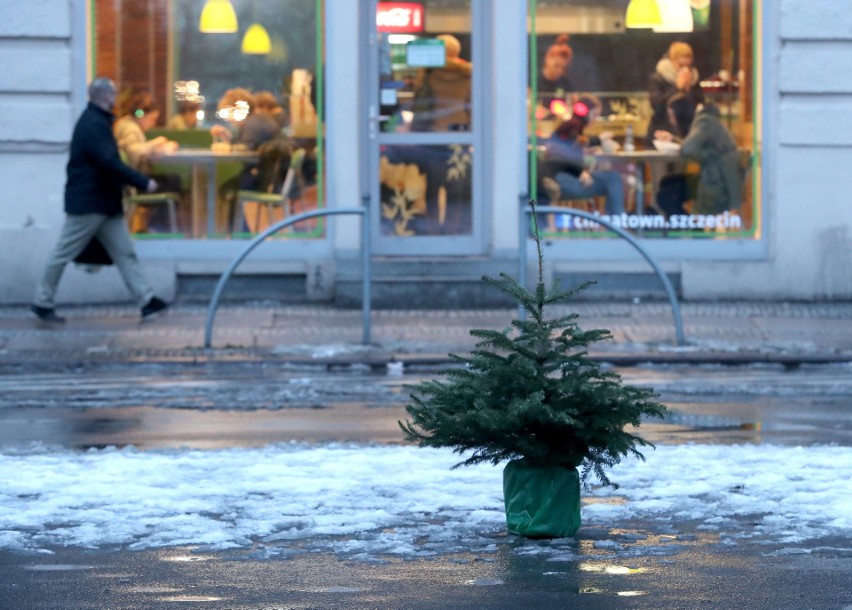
x=137, y=114
x=565, y=171
x=721, y=176
x=245, y=127
x=186, y=117
x=674, y=92
x=268, y=104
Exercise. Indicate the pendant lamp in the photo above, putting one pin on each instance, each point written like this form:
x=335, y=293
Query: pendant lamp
x=256, y=41
x=676, y=16
x=642, y=14
x=218, y=17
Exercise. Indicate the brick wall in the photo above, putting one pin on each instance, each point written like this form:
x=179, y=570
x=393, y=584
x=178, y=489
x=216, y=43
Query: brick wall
x=131, y=41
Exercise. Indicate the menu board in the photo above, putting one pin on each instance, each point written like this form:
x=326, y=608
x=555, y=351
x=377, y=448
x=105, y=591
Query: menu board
x=426, y=53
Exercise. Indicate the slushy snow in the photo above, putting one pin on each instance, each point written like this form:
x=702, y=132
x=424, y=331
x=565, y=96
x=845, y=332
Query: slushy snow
x=368, y=499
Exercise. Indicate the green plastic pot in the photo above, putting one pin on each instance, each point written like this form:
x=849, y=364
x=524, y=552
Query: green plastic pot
x=542, y=500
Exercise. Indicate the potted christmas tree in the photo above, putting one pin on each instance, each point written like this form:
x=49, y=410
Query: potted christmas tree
x=530, y=395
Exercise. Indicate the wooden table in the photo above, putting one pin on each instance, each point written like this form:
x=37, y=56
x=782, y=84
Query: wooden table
x=204, y=162
x=651, y=158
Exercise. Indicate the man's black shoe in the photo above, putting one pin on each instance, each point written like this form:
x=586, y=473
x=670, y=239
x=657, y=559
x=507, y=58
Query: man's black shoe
x=47, y=314
x=152, y=308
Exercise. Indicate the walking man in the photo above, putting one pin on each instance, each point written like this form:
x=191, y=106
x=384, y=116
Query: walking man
x=93, y=207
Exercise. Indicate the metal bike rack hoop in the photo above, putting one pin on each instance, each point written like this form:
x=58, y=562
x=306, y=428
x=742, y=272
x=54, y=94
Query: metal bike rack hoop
x=366, y=247
x=549, y=209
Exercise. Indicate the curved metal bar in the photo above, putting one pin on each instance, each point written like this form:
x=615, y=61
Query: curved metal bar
x=550, y=209
x=220, y=286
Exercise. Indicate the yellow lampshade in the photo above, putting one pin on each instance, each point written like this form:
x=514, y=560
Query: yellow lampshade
x=642, y=14
x=256, y=41
x=218, y=17
x=676, y=16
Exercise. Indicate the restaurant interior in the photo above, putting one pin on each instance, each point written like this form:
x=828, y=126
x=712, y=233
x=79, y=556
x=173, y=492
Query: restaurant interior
x=231, y=186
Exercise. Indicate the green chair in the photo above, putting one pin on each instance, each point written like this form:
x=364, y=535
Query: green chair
x=271, y=200
x=133, y=200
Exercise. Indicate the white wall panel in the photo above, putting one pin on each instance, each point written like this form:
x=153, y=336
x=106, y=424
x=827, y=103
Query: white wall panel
x=816, y=67
x=813, y=214
x=46, y=122
x=29, y=67
x=816, y=121
x=815, y=19
x=33, y=190
x=35, y=18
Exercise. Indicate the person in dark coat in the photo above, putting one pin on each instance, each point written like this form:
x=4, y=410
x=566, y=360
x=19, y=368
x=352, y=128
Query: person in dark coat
x=721, y=176
x=96, y=177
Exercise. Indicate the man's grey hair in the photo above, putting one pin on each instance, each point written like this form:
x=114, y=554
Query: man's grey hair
x=100, y=88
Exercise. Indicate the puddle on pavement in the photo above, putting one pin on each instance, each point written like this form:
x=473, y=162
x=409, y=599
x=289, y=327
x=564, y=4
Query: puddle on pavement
x=157, y=406
x=152, y=428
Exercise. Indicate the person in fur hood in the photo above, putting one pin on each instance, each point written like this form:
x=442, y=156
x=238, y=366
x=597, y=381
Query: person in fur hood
x=674, y=92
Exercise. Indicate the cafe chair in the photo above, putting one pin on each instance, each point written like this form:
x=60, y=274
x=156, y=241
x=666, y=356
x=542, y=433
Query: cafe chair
x=134, y=200
x=270, y=201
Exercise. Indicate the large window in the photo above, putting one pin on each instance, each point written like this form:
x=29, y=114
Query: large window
x=650, y=127
x=239, y=91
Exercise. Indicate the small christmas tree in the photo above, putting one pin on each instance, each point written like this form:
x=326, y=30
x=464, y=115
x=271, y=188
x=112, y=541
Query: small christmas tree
x=532, y=393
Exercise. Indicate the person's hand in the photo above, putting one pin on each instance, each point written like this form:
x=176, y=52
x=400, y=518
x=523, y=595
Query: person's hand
x=152, y=185
x=586, y=178
x=663, y=135
x=221, y=133
x=684, y=78
x=169, y=146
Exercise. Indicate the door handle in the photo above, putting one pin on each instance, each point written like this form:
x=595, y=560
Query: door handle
x=375, y=119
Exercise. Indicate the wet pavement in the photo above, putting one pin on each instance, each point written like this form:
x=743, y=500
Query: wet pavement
x=699, y=574
x=278, y=374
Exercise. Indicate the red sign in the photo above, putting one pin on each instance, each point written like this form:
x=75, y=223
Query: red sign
x=399, y=17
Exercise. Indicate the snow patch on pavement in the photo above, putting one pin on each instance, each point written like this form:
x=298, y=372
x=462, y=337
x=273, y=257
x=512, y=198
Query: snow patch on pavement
x=365, y=500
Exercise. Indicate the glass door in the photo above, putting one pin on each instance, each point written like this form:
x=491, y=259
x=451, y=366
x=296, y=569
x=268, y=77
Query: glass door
x=424, y=127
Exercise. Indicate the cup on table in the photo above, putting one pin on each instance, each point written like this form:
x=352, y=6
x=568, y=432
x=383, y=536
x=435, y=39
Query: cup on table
x=609, y=146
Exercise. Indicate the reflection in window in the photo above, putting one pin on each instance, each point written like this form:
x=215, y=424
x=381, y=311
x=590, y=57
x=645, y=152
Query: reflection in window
x=157, y=46
x=426, y=73
x=668, y=110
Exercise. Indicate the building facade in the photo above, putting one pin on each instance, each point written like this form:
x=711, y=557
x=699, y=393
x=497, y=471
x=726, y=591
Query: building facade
x=444, y=151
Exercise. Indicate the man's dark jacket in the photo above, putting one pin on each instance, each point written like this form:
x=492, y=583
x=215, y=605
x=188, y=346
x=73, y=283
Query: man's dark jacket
x=96, y=174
